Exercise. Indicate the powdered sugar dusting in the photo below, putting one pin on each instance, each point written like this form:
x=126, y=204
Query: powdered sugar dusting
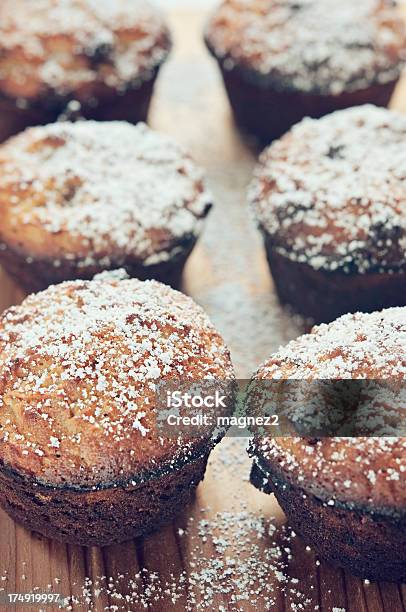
x=309, y=45
x=332, y=192
x=66, y=44
x=79, y=367
x=367, y=471
x=102, y=191
x=360, y=346
x=239, y=572
x=355, y=346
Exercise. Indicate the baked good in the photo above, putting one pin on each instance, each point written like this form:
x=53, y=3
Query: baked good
x=344, y=495
x=330, y=200
x=282, y=60
x=80, y=198
x=82, y=457
x=92, y=58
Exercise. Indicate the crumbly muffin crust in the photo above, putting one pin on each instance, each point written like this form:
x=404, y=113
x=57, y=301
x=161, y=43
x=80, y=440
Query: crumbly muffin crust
x=332, y=192
x=365, y=471
x=327, y=47
x=98, y=194
x=346, y=496
x=355, y=346
x=79, y=369
x=73, y=46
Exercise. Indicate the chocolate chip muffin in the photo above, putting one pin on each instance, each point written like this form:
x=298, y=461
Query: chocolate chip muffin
x=90, y=58
x=82, y=457
x=344, y=495
x=330, y=200
x=80, y=198
x=282, y=60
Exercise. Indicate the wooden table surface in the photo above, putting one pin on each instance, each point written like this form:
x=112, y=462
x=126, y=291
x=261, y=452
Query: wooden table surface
x=231, y=549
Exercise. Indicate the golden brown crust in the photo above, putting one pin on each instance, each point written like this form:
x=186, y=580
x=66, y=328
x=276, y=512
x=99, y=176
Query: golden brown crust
x=345, y=496
x=367, y=472
x=80, y=48
x=91, y=196
x=363, y=473
x=308, y=46
x=79, y=369
x=331, y=193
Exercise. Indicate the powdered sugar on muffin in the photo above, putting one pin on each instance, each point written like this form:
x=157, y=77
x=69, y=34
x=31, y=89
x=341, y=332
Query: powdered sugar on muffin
x=67, y=44
x=99, y=192
x=355, y=346
x=80, y=365
x=359, y=469
x=325, y=47
x=332, y=192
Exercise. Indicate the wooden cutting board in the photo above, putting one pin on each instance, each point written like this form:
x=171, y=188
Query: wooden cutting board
x=231, y=549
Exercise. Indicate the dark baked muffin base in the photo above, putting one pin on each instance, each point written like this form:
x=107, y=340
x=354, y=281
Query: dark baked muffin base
x=34, y=276
x=101, y=517
x=267, y=112
x=368, y=545
x=324, y=296
x=131, y=105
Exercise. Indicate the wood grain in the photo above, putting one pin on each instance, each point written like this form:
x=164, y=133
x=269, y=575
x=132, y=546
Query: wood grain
x=228, y=275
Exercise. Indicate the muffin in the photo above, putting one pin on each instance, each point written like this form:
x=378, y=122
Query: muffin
x=344, y=495
x=90, y=58
x=282, y=60
x=82, y=459
x=80, y=198
x=330, y=200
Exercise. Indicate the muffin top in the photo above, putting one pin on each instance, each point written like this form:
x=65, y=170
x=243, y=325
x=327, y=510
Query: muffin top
x=97, y=193
x=360, y=470
x=323, y=47
x=65, y=46
x=355, y=346
x=80, y=365
x=332, y=192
